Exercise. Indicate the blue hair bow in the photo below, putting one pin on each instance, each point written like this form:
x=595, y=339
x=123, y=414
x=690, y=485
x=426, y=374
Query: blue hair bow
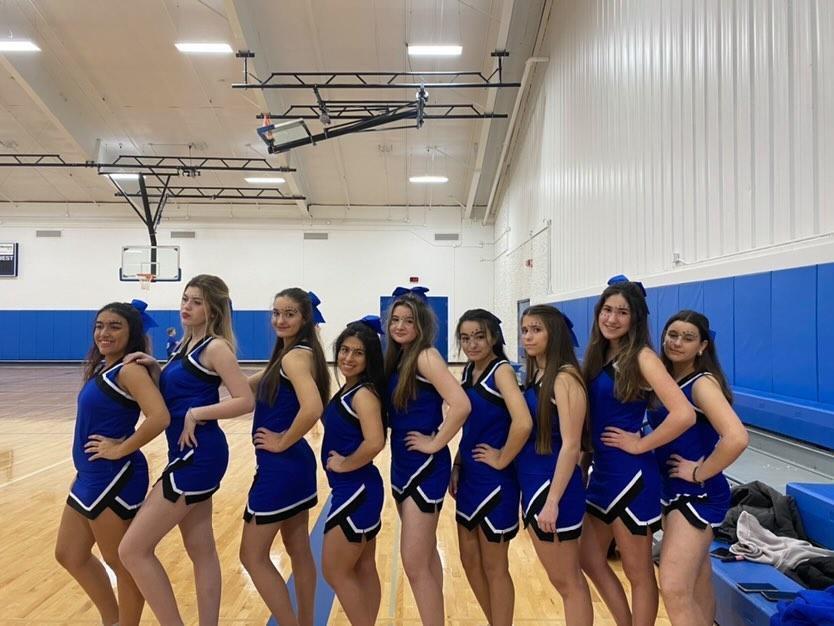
x=373, y=322
x=419, y=292
x=318, y=318
x=569, y=324
x=147, y=321
x=622, y=278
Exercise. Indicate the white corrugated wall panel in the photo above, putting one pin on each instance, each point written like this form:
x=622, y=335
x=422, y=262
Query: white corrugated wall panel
x=698, y=127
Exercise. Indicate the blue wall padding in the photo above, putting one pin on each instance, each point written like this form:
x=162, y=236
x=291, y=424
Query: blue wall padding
x=753, y=332
x=825, y=333
x=691, y=296
x=719, y=307
x=797, y=418
x=772, y=338
x=815, y=502
x=793, y=345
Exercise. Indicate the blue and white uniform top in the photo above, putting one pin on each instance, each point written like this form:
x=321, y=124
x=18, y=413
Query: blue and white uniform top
x=356, y=498
x=621, y=485
x=422, y=477
x=703, y=505
x=185, y=384
x=106, y=409
x=486, y=497
x=285, y=482
x=535, y=474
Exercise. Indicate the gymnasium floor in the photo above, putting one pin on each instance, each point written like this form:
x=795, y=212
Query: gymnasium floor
x=37, y=412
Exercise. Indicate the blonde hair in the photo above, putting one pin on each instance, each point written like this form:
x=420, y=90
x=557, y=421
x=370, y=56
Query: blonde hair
x=405, y=360
x=218, y=309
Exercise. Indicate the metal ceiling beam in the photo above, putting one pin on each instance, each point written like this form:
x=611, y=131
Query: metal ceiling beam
x=210, y=193
x=369, y=80
x=244, y=20
x=364, y=109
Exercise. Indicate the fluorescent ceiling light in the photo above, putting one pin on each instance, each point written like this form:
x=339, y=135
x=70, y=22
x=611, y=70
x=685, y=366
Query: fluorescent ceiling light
x=18, y=46
x=217, y=48
x=435, y=51
x=428, y=179
x=265, y=180
x=123, y=176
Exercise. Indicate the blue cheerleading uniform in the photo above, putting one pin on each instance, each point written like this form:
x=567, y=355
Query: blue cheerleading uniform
x=621, y=485
x=185, y=383
x=705, y=505
x=285, y=482
x=121, y=485
x=422, y=477
x=535, y=474
x=486, y=497
x=356, y=496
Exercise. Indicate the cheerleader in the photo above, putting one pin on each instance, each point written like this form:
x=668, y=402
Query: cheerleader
x=552, y=490
x=112, y=477
x=197, y=451
x=623, y=495
x=354, y=433
x=483, y=481
x=694, y=493
x=419, y=382
x=291, y=392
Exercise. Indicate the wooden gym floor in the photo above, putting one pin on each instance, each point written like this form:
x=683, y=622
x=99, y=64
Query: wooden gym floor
x=37, y=413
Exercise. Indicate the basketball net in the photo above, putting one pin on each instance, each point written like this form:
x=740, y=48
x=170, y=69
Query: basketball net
x=145, y=280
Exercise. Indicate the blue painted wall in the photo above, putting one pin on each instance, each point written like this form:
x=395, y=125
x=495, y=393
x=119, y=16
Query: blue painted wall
x=773, y=342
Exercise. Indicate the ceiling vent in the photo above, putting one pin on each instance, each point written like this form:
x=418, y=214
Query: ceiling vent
x=47, y=233
x=183, y=234
x=316, y=235
x=446, y=237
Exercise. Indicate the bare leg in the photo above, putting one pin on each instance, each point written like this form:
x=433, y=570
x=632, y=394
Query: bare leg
x=593, y=550
x=254, y=555
x=636, y=552
x=340, y=559
x=73, y=550
x=561, y=562
x=682, y=557
x=198, y=538
x=296, y=535
x=369, y=578
x=418, y=549
x=496, y=571
x=109, y=529
x=155, y=519
x=470, y=558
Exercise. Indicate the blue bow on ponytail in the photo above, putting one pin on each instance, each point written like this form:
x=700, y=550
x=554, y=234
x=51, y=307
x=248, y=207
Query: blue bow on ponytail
x=621, y=278
x=569, y=324
x=147, y=321
x=373, y=322
x=419, y=292
x=318, y=318
x=497, y=322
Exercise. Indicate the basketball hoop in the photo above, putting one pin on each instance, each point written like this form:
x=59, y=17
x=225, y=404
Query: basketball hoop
x=145, y=280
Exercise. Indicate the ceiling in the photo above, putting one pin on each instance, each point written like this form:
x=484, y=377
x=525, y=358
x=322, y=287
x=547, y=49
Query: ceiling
x=109, y=81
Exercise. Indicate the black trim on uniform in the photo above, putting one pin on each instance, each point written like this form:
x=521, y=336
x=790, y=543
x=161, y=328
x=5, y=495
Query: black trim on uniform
x=680, y=505
x=112, y=394
x=480, y=521
x=340, y=520
x=530, y=521
x=108, y=501
x=619, y=509
x=411, y=491
x=261, y=518
x=172, y=494
x=467, y=382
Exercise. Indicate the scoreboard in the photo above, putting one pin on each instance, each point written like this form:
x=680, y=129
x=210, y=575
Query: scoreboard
x=8, y=260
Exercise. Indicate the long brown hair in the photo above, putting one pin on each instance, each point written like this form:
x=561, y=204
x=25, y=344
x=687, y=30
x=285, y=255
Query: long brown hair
x=271, y=380
x=560, y=357
x=135, y=337
x=708, y=360
x=629, y=382
x=405, y=360
x=215, y=294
